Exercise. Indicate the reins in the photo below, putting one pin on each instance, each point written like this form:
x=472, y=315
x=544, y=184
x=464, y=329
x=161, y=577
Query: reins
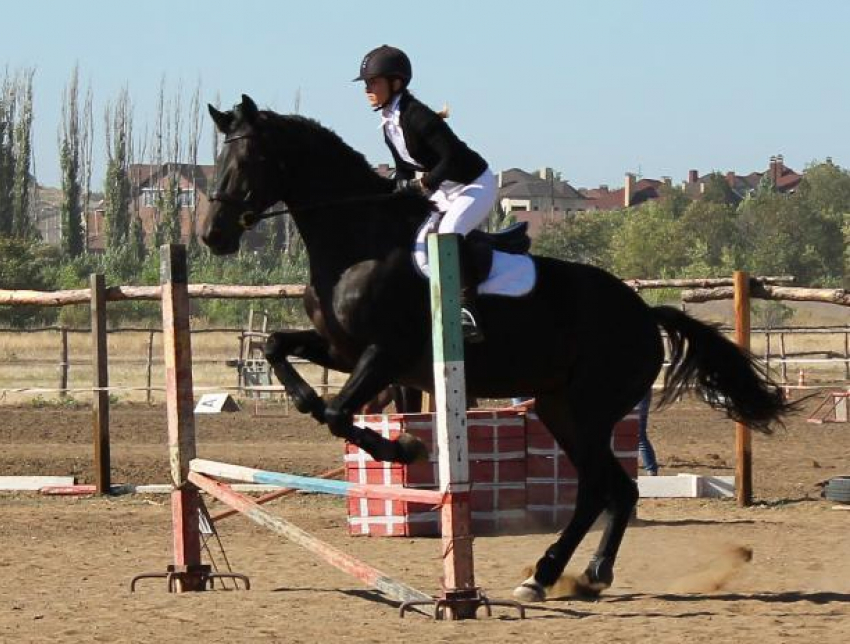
x=249, y=218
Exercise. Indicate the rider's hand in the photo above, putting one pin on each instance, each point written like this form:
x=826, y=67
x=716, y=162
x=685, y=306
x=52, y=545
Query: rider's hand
x=415, y=184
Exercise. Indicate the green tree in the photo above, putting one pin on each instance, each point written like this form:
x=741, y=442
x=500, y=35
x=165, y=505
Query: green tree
x=645, y=245
x=16, y=184
x=116, y=190
x=23, y=225
x=785, y=234
x=71, y=209
x=7, y=154
x=707, y=234
x=169, y=208
x=717, y=190
x=138, y=250
x=26, y=264
x=583, y=237
x=826, y=188
x=674, y=199
x=765, y=186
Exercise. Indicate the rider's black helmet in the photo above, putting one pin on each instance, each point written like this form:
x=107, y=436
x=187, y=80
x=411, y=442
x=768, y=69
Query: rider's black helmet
x=386, y=61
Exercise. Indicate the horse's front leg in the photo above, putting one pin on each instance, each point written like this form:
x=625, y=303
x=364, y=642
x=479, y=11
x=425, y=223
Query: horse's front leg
x=303, y=344
x=373, y=373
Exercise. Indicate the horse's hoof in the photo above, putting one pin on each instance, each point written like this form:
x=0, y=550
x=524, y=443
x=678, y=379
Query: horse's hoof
x=587, y=587
x=411, y=449
x=530, y=592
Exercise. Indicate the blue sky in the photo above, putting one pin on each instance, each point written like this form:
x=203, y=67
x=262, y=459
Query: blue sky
x=593, y=89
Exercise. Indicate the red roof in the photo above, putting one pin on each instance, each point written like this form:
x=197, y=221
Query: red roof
x=645, y=190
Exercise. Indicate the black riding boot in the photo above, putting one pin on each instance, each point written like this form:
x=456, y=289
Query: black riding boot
x=469, y=315
x=476, y=257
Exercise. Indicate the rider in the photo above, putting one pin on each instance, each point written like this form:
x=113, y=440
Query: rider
x=457, y=179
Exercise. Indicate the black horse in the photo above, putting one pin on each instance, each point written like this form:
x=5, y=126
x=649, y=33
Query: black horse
x=582, y=342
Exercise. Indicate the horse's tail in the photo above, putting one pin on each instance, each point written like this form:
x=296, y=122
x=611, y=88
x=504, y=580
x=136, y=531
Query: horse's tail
x=725, y=375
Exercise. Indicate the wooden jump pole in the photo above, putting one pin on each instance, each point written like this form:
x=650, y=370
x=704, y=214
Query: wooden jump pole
x=743, y=434
x=100, y=383
x=277, y=494
x=373, y=577
x=314, y=484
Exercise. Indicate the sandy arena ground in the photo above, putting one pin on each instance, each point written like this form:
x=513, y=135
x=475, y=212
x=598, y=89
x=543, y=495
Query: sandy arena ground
x=65, y=563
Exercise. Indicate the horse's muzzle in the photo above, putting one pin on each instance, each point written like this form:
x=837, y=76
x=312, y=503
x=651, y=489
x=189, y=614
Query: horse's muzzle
x=219, y=244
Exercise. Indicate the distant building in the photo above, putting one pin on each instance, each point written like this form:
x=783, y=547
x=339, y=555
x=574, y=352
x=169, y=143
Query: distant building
x=633, y=193
x=637, y=191
x=537, y=198
x=148, y=186
x=784, y=179
x=48, y=219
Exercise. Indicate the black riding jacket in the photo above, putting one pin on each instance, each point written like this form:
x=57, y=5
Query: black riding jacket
x=435, y=147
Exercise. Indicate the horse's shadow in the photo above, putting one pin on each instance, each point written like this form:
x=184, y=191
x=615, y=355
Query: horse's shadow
x=581, y=608
x=374, y=596
x=552, y=610
x=676, y=523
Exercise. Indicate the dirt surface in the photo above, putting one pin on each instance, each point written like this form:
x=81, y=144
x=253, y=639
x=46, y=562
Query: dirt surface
x=683, y=573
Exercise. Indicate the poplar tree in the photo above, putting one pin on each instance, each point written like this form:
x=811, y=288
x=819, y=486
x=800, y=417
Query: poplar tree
x=116, y=190
x=23, y=225
x=71, y=210
x=7, y=157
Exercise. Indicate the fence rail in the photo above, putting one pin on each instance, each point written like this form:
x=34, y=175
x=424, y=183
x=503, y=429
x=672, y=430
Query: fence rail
x=702, y=290
x=127, y=293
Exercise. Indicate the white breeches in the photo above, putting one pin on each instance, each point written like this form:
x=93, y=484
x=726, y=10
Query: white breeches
x=465, y=206
x=461, y=208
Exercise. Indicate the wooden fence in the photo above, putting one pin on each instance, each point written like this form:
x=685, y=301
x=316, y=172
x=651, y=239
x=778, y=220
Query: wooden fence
x=98, y=295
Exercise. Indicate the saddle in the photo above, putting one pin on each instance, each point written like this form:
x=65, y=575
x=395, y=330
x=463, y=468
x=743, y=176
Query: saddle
x=513, y=240
x=476, y=257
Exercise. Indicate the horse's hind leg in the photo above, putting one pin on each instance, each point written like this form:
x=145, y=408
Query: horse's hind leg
x=622, y=497
x=585, y=449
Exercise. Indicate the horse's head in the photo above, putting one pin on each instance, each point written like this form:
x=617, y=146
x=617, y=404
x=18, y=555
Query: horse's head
x=246, y=180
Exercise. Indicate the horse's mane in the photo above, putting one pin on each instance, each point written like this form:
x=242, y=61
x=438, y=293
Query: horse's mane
x=342, y=161
x=324, y=151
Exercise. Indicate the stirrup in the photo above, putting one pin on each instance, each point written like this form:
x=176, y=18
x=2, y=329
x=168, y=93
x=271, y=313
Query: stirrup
x=471, y=332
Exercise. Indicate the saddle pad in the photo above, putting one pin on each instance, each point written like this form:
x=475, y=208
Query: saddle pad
x=510, y=275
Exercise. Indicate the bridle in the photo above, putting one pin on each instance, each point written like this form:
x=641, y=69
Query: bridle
x=250, y=218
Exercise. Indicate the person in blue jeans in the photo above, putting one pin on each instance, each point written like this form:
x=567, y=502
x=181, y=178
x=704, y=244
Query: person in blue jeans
x=647, y=453
x=645, y=449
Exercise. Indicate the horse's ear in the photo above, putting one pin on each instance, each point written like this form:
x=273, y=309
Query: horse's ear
x=249, y=109
x=222, y=120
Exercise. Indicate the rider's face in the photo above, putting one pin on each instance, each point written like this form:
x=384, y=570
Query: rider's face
x=378, y=91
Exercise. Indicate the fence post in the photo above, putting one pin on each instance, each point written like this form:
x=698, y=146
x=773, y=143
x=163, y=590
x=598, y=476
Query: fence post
x=100, y=377
x=177, y=352
x=847, y=356
x=149, y=368
x=63, y=362
x=743, y=436
x=767, y=350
